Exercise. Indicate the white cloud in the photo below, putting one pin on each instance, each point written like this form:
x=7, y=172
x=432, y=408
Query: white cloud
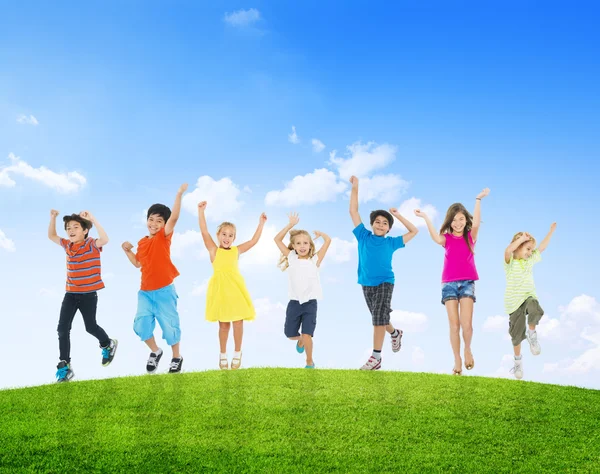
x=383, y=188
x=221, y=196
x=242, y=17
x=418, y=356
x=188, y=243
x=407, y=209
x=62, y=182
x=265, y=252
x=6, y=243
x=320, y=186
x=408, y=321
x=341, y=250
x=363, y=159
x=293, y=137
x=317, y=145
x=27, y=120
x=199, y=289
x=270, y=316
x=495, y=324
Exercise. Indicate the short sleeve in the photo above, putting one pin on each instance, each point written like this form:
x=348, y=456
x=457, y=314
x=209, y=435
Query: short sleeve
x=507, y=266
x=292, y=256
x=64, y=243
x=360, y=232
x=536, y=256
x=94, y=246
x=397, y=242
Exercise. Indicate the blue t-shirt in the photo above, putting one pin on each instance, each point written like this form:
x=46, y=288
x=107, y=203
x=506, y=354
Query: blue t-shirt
x=375, y=256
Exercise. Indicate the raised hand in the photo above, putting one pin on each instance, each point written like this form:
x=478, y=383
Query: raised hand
x=393, y=210
x=318, y=234
x=553, y=227
x=483, y=193
x=420, y=213
x=202, y=206
x=183, y=188
x=126, y=246
x=526, y=237
x=354, y=181
x=54, y=213
x=263, y=218
x=86, y=215
x=294, y=218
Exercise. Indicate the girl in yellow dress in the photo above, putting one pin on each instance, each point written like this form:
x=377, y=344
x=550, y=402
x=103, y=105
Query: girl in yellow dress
x=227, y=299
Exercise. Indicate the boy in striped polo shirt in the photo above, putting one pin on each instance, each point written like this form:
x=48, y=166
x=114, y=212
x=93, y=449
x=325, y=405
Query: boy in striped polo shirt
x=520, y=298
x=83, y=281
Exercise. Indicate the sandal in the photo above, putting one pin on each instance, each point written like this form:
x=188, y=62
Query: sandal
x=471, y=365
x=223, y=363
x=236, y=362
x=456, y=372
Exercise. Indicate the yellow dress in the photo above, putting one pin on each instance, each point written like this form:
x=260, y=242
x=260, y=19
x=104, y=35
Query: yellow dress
x=227, y=298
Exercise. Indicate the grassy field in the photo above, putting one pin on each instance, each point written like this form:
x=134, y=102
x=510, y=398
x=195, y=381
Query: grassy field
x=290, y=420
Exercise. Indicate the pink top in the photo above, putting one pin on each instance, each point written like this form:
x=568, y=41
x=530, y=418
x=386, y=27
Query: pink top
x=459, y=262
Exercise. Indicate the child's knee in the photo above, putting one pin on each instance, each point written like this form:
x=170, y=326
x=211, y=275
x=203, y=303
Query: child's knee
x=144, y=327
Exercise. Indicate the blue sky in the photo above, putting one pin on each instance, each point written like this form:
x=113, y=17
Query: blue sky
x=431, y=102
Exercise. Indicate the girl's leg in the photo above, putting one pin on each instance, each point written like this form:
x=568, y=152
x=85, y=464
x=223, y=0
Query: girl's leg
x=238, y=334
x=454, y=322
x=223, y=335
x=307, y=341
x=466, y=322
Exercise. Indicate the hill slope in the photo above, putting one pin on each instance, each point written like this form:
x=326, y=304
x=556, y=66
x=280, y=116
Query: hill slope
x=286, y=420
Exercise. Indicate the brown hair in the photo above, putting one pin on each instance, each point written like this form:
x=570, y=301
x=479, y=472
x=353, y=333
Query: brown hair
x=458, y=208
x=283, y=261
x=85, y=224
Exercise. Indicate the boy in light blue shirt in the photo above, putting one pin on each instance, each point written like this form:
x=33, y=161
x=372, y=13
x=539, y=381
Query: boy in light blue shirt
x=375, y=273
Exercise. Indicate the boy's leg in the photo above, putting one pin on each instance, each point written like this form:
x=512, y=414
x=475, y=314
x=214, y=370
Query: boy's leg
x=534, y=315
x=381, y=303
x=65, y=321
x=145, y=322
x=238, y=334
x=168, y=317
x=516, y=328
x=88, y=305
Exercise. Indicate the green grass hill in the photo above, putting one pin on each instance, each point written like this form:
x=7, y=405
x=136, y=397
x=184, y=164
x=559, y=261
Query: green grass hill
x=297, y=420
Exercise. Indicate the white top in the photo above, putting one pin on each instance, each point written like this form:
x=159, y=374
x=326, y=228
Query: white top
x=304, y=282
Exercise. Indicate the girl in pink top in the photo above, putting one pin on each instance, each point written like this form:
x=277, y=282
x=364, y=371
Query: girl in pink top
x=458, y=236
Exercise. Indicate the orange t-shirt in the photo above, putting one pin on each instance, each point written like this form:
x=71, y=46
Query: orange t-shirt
x=154, y=254
x=83, y=266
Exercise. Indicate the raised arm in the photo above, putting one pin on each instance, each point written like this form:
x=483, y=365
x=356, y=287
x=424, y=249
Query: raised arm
x=435, y=236
x=354, y=201
x=323, y=250
x=477, y=213
x=294, y=219
x=546, y=240
x=52, y=235
x=515, y=245
x=102, y=239
x=254, y=240
x=126, y=246
x=170, y=225
x=412, y=229
x=209, y=243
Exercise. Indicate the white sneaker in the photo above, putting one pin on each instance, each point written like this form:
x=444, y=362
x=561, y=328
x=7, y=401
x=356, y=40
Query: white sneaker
x=517, y=370
x=534, y=345
x=397, y=341
x=372, y=364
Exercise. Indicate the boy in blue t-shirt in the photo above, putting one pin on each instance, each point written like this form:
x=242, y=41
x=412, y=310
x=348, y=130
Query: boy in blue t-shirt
x=375, y=273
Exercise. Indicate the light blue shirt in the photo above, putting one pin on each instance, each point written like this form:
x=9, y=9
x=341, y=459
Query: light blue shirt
x=375, y=256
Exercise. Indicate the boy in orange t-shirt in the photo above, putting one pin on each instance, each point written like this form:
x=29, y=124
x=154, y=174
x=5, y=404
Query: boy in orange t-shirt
x=157, y=298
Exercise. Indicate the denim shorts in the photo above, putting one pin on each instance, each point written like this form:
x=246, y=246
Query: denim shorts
x=158, y=305
x=297, y=315
x=455, y=290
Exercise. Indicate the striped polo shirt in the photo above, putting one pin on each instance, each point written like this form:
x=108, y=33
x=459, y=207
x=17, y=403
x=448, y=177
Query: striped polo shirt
x=83, y=266
x=519, y=281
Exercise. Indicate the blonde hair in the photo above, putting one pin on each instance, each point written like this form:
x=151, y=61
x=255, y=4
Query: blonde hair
x=518, y=236
x=283, y=261
x=226, y=224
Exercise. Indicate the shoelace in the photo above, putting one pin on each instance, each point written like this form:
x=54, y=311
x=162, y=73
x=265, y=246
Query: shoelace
x=152, y=360
x=106, y=352
x=174, y=364
x=62, y=372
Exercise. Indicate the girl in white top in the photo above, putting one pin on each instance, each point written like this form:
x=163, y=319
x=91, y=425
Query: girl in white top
x=302, y=262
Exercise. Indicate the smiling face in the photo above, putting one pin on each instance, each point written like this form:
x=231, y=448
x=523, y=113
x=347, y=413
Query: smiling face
x=226, y=236
x=75, y=231
x=155, y=223
x=458, y=223
x=525, y=250
x=380, y=226
x=302, y=244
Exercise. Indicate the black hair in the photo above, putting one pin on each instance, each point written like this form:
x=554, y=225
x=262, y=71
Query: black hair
x=85, y=224
x=159, y=210
x=382, y=213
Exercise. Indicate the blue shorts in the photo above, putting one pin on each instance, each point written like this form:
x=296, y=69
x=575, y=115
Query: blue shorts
x=297, y=315
x=158, y=305
x=455, y=290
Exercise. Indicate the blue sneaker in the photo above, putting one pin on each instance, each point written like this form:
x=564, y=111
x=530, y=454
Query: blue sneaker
x=108, y=352
x=64, y=372
x=310, y=366
x=299, y=349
